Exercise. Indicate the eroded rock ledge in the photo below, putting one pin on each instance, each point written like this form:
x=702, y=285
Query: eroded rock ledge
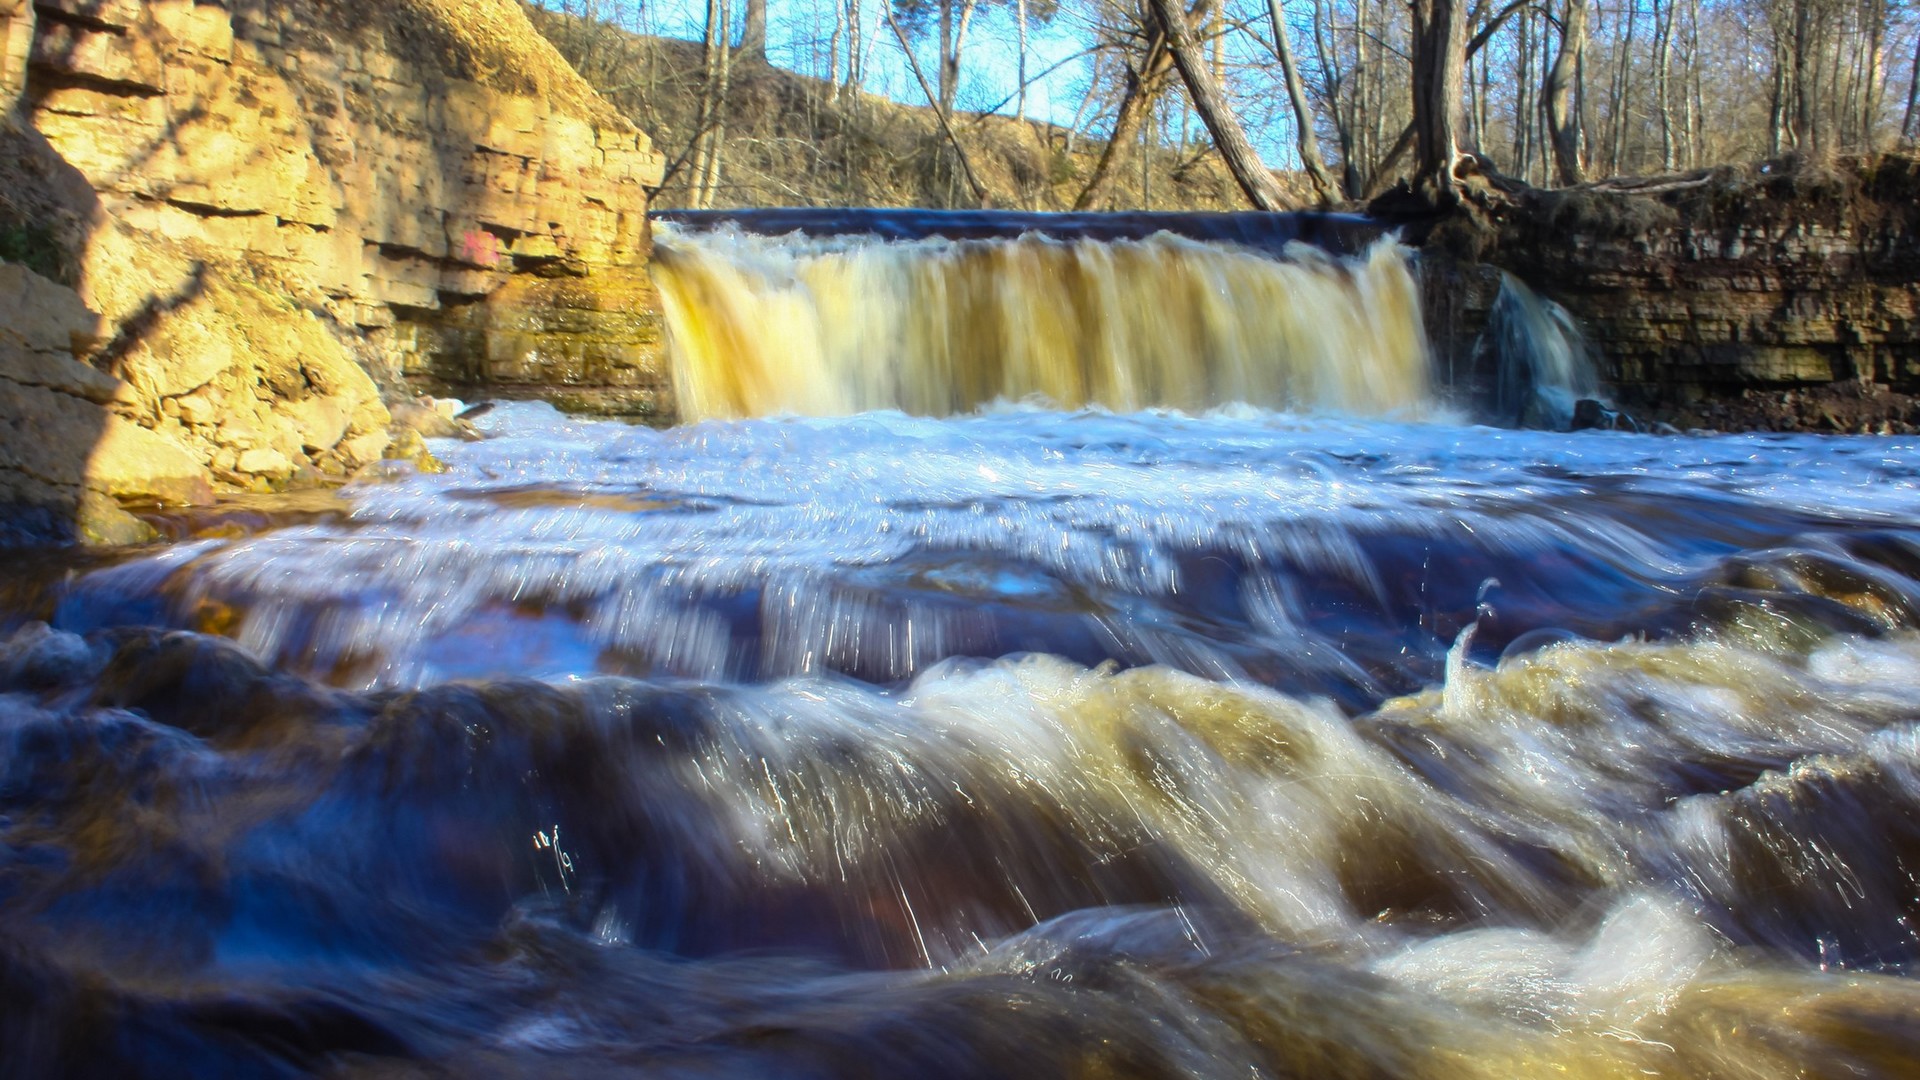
x=269, y=212
x=1782, y=295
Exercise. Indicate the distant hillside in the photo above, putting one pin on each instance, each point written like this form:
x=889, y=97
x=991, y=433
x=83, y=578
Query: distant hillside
x=791, y=141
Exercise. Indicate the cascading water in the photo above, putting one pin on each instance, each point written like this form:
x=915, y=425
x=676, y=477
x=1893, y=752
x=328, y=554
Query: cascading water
x=1542, y=360
x=834, y=326
x=1018, y=742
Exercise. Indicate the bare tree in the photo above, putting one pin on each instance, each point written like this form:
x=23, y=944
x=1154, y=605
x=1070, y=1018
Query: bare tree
x=1304, y=120
x=1553, y=91
x=1907, y=129
x=1439, y=72
x=710, y=142
x=1146, y=78
x=1020, y=16
x=753, y=31
x=1228, y=136
x=1563, y=120
x=942, y=115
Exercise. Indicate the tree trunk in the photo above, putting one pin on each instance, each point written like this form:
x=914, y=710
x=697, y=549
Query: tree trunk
x=1522, y=105
x=1303, y=118
x=1439, y=63
x=1483, y=98
x=1563, y=120
x=1384, y=175
x=713, y=50
x=1690, y=86
x=1907, y=128
x=1806, y=134
x=1228, y=137
x=720, y=12
x=833, y=51
x=1143, y=87
x=940, y=115
x=1873, y=91
x=1663, y=82
x=1020, y=15
x=753, y=32
x=1583, y=111
x=1777, y=134
x=856, y=47
x=1617, y=106
x=949, y=62
x=1146, y=158
x=967, y=8
x=1332, y=86
x=1366, y=149
x=1217, y=45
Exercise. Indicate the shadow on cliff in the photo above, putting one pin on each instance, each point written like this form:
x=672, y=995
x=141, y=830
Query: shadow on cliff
x=48, y=430
x=57, y=406
x=137, y=327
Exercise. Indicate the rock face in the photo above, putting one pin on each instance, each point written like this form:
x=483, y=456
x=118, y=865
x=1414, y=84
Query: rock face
x=404, y=160
x=65, y=453
x=1736, y=285
x=593, y=345
x=281, y=208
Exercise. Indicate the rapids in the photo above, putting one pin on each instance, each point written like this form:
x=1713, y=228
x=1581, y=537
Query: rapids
x=1037, y=658
x=1020, y=743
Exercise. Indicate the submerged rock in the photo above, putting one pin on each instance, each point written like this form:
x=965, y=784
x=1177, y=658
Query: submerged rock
x=1591, y=413
x=1588, y=413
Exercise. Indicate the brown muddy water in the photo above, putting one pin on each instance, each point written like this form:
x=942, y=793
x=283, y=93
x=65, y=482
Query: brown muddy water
x=1312, y=735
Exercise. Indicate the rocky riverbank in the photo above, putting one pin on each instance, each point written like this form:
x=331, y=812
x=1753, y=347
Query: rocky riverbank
x=231, y=230
x=1781, y=296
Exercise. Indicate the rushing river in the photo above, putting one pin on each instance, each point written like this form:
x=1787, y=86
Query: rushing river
x=1022, y=742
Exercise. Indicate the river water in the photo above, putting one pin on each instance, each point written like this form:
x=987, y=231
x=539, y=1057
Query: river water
x=1310, y=737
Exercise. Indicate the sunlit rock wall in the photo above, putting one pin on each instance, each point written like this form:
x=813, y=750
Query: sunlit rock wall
x=276, y=205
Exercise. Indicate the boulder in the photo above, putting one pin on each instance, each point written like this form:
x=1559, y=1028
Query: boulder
x=45, y=316
x=133, y=462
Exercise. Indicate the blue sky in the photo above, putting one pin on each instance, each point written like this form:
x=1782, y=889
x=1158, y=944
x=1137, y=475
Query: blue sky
x=798, y=31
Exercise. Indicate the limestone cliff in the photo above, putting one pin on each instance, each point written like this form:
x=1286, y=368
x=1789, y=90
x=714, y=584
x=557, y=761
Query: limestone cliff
x=1705, y=290
x=275, y=208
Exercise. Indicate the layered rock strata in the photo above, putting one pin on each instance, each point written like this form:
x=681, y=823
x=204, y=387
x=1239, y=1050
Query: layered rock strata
x=1714, y=289
x=65, y=454
x=277, y=209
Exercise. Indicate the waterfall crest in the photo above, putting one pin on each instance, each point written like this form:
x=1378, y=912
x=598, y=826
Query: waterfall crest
x=834, y=326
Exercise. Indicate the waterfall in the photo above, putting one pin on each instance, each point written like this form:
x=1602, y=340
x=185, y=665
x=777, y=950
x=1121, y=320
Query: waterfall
x=827, y=326
x=1543, y=360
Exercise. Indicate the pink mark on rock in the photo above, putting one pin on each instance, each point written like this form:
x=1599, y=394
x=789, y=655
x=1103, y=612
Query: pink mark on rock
x=480, y=248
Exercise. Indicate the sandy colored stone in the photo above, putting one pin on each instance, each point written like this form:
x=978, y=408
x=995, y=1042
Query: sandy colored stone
x=364, y=449
x=16, y=46
x=129, y=60
x=117, y=14
x=133, y=462
x=98, y=521
x=246, y=174
x=424, y=420
x=188, y=349
x=42, y=315
x=265, y=462
x=320, y=421
x=61, y=373
x=198, y=410
x=46, y=436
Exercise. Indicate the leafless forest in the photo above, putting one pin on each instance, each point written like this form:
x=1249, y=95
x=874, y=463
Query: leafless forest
x=1343, y=98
